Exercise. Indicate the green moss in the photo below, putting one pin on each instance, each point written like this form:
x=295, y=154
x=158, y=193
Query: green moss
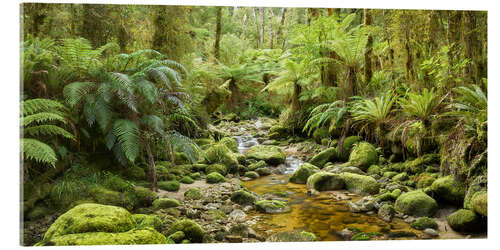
x=147, y=220
x=464, y=220
x=319, y=134
x=252, y=175
x=134, y=172
x=220, y=153
x=479, y=203
x=169, y=185
x=204, y=141
x=273, y=155
x=136, y=236
x=177, y=237
x=116, y=183
x=163, y=203
x=425, y=180
x=363, y=156
x=272, y=206
x=215, y=177
x=187, y=180
x=423, y=223
x=400, y=177
x=416, y=203
x=361, y=236
x=324, y=181
x=181, y=158
x=347, y=146
x=230, y=143
x=292, y=236
x=395, y=193
x=105, y=196
x=449, y=190
x=256, y=165
x=192, y=231
x=243, y=197
x=221, y=169
x=91, y=218
x=389, y=174
x=38, y=212
x=373, y=169
x=263, y=171
x=303, y=172
x=195, y=176
x=360, y=184
x=419, y=164
x=143, y=197
x=320, y=159
x=193, y=194
x=199, y=167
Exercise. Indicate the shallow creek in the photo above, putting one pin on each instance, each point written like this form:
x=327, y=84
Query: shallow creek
x=323, y=215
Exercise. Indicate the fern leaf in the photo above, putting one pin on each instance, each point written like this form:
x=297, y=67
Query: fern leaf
x=35, y=150
x=47, y=130
x=41, y=117
x=40, y=105
x=127, y=134
x=74, y=92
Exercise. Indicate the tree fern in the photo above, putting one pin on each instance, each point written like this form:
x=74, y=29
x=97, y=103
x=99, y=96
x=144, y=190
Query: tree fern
x=76, y=91
x=42, y=117
x=35, y=150
x=32, y=106
x=127, y=134
x=47, y=130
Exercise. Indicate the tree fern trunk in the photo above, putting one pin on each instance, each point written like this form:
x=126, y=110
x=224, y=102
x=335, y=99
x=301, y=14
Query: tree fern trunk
x=218, y=33
x=369, y=50
x=152, y=167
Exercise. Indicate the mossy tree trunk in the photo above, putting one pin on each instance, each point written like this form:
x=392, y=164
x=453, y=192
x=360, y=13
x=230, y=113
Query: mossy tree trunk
x=369, y=50
x=218, y=33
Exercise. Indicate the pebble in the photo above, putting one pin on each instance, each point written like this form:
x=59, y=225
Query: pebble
x=431, y=232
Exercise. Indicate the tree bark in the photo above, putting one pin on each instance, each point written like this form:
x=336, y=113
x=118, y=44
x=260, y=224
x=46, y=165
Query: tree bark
x=282, y=24
x=244, y=27
x=471, y=46
x=218, y=33
x=262, y=25
x=369, y=47
x=152, y=167
x=271, y=34
x=256, y=21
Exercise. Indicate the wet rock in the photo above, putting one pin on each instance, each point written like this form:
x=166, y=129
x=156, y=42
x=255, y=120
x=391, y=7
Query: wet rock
x=240, y=230
x=363, y=156
x=360, y=184
x=252, y=175
x=431, y=232
x=449, y=190
x=273, y=155
x=302, y=173
x=424, y=223
x=263, y=171
x=238, y=216
x=272, y=206
x=243, y=198
x=479, y=203
x=464, y=220
x=364, y=204
x=386, y=212
x=234, y=238
x=292, y=236
x=346, y=233
x=324, y=181
x=416, y=203
x=320, y=159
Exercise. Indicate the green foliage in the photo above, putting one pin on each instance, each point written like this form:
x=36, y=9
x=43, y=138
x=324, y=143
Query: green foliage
x=374, y=115
x=421, y=106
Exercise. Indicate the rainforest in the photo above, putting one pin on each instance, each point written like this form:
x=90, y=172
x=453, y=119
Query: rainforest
x=156, y=124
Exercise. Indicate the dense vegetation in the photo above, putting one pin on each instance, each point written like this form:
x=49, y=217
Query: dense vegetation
x=120, y=97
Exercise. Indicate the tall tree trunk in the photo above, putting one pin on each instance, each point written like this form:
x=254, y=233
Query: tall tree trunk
x=369, y=47
x=218, y=33
x=262, y=25
x=235, y=94
x=472, y=49
x=453, y=39
x=282, y=25
x=271, y=34
x=152, y=167
x=256, y=21
x=297, y=89
x=244, y=27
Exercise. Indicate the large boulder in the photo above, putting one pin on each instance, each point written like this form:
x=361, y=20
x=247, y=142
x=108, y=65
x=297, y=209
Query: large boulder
x=91, y=217
x=220, y=153
x=477, y=184
x=320, y=159
x=464, y=220
x=363, y=156
x=324, y=181
x=292, y=236
x=302, y=173
x=192, y=231
x=230, y=143
x=360, y=184
x=479, y=203
x=347, y=145
x=273, y=155
x=449, y=190
x=243, y=197
x=143, y=236
x=416, y=203
x=343, y=168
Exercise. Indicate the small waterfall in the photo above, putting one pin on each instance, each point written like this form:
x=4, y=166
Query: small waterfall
x=245, y=142
x=292, y=163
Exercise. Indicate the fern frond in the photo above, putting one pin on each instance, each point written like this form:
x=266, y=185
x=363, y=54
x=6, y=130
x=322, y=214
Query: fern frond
x=74, y=92
x=153, y=122
x=47, y=130
x=40, y=105
x=127, y=134
x=41, y=117
x=35, y=150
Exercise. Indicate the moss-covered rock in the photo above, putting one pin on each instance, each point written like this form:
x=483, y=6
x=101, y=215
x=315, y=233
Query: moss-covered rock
x=219, y=168
x=106, y=197
x=479, y=203
x=363, y=155
x=230, y=143
x=38, y=212
x=425, y=179
x=186, y=180
x=220, y=153
x=263, y=171
x=302, y=173
x=273, y=155
x=389, y=174
x=449, y=190
x=419, y=164
x=193, y=194
x=292, y=236
x=343, y=168
x=150, y=220
x=204, y=141
x=386, y=212
x=319, y=134
x=416, y=203
x=143, y=197
x=360, y=184
x=272, y=206
x=135, y=173
x=90, y=217
x=256, y=165
x=163, y=203
x=479, y=183
x=347, y=146
x=464, y=220
x=195, y=175
x=192, y=231
x=321, y=158
x=243, y=197
x=252, y=175
x=423, y=223
x=277, y=132
x=400, y=177
x=215, y=177
x=141, y=236
x=171, y=186
x=324, y=181
x=181, y=158
x=116, y=183
x=373, y=170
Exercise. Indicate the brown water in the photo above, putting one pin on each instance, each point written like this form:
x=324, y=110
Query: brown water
x=323, y=214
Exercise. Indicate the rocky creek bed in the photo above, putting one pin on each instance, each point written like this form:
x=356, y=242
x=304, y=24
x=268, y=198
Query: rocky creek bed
x=254, y=186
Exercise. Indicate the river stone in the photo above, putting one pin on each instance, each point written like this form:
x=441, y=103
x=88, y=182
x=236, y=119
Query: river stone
x=480, y=203
x=292, y=236
x=320, y=159
x=449, y=190
x=464, y=220
x=363, y=156
x=324, y=181
x=90, y=217
x=302, y=173
x=272, y=206
x=238, y=216
x=386, y=212
x=343, y=168
x=360, y=184
x=273, y=155
x=423, y=223
x=347, y=146
x=416, y=203
x=243, y=197
x=431, y=232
